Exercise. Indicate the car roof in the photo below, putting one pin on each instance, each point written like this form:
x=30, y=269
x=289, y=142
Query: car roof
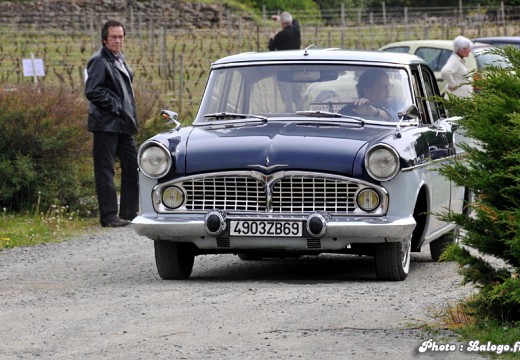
x=332, y=55
x=501, y=39
x=442, y=44
x=448, y=44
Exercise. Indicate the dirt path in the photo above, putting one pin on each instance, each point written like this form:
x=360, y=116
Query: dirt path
x=100, y=297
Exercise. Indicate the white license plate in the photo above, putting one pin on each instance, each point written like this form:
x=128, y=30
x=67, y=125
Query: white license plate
x=266, y=228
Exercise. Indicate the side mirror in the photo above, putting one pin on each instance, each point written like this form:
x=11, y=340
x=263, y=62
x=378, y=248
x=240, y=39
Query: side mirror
x=172, y=118
x=409, y=112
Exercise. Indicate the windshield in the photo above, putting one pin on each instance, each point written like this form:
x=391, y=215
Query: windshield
x=288, y=89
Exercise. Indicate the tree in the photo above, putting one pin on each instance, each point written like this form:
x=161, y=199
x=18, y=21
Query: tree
x=492, y=171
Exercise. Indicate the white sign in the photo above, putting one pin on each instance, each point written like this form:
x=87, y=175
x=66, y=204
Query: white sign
x=33, y=67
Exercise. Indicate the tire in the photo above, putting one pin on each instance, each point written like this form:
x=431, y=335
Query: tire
x=438, y=246
x=392, y=260
x=174, y=261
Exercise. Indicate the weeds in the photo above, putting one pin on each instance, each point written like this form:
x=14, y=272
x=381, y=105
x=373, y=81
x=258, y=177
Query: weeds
x=53, y=225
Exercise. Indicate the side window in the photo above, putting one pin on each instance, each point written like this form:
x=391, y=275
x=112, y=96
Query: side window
x=429, y=88
x=434, y=57
x=419, y=95
x=398, y=49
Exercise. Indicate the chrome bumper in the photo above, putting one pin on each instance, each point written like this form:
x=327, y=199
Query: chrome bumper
x=340, y=231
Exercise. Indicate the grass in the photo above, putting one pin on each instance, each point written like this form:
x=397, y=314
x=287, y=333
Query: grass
x=55, y=225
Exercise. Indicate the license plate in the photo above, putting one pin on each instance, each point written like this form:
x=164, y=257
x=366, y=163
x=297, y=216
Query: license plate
x=266, y=228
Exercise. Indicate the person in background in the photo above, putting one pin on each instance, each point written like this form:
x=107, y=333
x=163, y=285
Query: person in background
x=455, y=72
x=289, y=37
x=112, y=120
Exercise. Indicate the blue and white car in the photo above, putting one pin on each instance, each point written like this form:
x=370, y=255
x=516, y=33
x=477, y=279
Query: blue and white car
x=270, y=167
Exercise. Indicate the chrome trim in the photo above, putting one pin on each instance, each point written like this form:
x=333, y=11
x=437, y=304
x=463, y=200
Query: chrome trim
x=392, y=150
x=291, y=192
x=341, y=231
x=145, y=146
x=429, y=162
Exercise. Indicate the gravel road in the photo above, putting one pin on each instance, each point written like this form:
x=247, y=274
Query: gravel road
x=99, y=297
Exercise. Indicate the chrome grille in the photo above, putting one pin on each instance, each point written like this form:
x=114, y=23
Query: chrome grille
x=308, y=194
x=238, y=193
x=291, y=193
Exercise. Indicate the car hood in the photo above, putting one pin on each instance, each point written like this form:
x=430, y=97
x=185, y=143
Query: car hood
x=275, y=146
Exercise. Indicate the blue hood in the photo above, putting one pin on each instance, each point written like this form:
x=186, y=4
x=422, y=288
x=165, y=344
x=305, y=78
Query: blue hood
x=275, y=146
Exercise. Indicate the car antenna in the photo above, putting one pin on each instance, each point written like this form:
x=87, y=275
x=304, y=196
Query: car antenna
x=311, y=46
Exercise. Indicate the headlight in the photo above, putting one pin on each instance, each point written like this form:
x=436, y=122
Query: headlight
x=173, y=197
x=382, y=162
x=368, y=200
x=154, y=160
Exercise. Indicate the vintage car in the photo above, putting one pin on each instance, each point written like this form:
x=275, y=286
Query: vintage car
x=271, y=167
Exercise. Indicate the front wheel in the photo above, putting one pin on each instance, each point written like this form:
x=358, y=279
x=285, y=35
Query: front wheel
x=174, y=261
x=392, y=260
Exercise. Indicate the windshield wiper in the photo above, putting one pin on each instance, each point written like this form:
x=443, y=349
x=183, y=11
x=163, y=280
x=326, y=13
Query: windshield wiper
x=227, y=115
x=319, y=113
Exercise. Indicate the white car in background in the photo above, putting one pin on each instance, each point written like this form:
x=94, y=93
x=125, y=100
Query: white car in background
x=437, y=52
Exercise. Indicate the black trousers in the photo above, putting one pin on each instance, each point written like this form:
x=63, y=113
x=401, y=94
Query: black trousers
x=108, y=147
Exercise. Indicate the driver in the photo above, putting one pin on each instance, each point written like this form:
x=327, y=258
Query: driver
x=374, y=92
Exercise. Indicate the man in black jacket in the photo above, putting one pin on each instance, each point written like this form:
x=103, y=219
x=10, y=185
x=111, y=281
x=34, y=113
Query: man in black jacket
x=289, y=37
x=112, y=120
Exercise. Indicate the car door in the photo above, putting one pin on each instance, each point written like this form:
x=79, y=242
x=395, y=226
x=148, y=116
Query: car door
x=437, y=133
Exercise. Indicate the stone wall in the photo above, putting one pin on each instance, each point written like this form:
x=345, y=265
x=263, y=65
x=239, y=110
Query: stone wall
x=85, y=14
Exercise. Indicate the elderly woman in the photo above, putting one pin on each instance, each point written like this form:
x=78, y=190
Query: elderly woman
x=455, y=72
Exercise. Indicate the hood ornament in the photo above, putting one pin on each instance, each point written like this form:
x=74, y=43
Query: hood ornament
x=267, y=167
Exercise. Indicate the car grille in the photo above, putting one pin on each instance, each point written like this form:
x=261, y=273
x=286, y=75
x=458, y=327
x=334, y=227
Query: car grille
x=285, y=194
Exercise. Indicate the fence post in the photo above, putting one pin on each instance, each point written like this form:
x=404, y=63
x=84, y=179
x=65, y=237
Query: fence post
x=478, y=20
x=342, y=25
x=228, y=27
x=174, y=59
x=140, y=25
x=503, y=18
x=92, y=37
x=406, y=25
x=460, y=12
x=181, y=82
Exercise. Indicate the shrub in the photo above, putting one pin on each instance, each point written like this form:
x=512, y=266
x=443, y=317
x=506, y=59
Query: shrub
x=43, y=145
x=45, y=148
x=492, y=171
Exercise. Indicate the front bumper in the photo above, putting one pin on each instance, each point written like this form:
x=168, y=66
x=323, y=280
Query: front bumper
x=339, y=233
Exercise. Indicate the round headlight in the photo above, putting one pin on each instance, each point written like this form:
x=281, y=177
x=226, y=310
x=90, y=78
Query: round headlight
x=382, y=163
x=172, y=197
x=368, y=200
x=154, y=160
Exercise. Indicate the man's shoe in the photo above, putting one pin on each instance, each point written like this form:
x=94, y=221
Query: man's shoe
x=117, y=223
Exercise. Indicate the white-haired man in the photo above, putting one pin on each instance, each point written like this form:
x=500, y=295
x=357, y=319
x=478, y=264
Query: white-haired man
x=289, y=37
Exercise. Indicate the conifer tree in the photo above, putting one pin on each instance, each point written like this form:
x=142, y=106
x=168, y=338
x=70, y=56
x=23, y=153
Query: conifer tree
x=492, y=171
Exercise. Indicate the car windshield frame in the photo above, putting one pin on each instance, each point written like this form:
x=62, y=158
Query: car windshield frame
x=264, y=90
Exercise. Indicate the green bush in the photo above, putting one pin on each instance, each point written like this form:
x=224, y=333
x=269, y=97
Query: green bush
x=45, y=148
x=492, y=171
x=43, y=144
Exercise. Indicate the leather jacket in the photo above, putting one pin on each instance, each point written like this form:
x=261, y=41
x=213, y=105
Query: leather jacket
x=110, y=95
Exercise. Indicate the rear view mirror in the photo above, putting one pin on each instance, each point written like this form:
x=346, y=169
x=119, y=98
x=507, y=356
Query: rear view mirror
x=306, y=76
